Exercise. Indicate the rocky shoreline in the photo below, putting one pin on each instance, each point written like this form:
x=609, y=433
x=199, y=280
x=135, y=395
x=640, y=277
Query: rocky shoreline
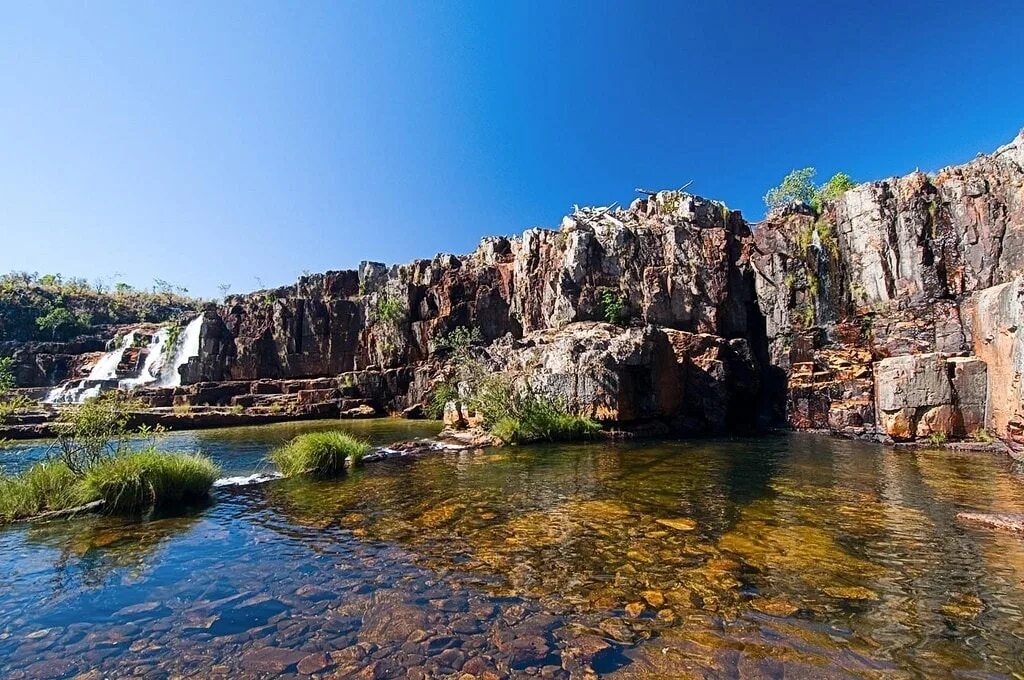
x=892, y=313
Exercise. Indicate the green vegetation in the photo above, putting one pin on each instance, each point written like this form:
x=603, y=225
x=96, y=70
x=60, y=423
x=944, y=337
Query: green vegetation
x=517, y=414
x=62, y=323
x=7, y=381
x=45, y=486
x=668, y=202
x=937, y=438
x=613, y=307
x=982, y=435
x=173, y=337
x=93, y=431
x=388, y=310
x=462, y=367
x=511, y=410
x=51, y=307
x=319, y=454
x=798, y=186
x=831, y=190
x=92, y=461
x=140, y=480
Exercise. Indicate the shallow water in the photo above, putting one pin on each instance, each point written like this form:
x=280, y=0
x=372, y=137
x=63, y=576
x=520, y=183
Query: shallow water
x=790, y=556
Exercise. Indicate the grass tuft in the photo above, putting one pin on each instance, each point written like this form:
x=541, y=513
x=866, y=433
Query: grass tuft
x=148, y=479
x=46, y=486
x=319, y=454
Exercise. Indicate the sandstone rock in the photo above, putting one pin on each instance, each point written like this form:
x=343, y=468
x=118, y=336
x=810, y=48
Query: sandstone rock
x=998, y=331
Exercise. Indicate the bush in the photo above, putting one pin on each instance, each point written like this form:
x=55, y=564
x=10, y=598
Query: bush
x=148, y=479
x=832, y=189
x=34, y=307
x=796, y=186
x=90, y=432
x=982, y=435
x=937, y=438
x=516, y=414
x=6, y=375
x=613, y=307
x=45, y=486
x=319, y=454
x=799, y=186
x=128, y=483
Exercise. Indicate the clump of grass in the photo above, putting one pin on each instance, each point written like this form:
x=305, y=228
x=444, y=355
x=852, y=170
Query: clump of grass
x=516, y=414
x=319, y=454
x=50, y=485
x=128, y=483
x=937, y=438
x=149, y=479
x=982, y=435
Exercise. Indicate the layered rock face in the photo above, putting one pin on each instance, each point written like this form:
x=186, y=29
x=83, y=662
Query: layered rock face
x=672, y=271
x=893, y=312
x=920, y=266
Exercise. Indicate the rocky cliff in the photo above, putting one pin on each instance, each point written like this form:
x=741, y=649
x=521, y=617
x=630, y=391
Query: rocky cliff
x=894, y=312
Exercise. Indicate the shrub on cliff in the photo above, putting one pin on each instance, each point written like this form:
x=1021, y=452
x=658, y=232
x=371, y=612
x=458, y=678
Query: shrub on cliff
x=795, y=187
x=319, y=454
x=798, y=186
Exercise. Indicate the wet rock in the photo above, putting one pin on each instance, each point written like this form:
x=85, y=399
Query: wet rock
x=1006, y=521
x=270, y=659
x=679, y=523
x=521, y=652
x=314, y=663
x=634, y=609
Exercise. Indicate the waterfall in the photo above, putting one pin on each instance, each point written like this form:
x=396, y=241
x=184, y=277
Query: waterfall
x=821, y=304
x=104, y=371
x=153, y=365
x=160, y=369
x=188, y=347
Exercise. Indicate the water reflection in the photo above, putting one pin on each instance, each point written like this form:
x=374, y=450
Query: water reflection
x=786, y=556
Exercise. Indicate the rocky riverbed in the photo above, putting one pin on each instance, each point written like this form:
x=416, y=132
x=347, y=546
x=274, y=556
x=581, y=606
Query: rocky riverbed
x=795, y=555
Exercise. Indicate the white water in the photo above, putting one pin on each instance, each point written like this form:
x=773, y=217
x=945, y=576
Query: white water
x=156, y=371
x=188, y=347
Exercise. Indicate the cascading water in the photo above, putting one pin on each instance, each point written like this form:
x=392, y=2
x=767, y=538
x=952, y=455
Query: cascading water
x=821, y=305
x=188, y=347
x=160, y=368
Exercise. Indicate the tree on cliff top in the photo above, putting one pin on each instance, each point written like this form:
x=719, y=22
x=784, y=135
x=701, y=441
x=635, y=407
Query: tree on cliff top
x=798, y=186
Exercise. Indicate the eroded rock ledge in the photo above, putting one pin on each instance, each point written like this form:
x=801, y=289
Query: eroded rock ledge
x=894, y=313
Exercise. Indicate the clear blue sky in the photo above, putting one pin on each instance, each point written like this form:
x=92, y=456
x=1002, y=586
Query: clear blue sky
x=215, y=142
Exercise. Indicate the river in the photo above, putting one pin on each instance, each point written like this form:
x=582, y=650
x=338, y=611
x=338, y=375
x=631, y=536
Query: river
x=791, y=555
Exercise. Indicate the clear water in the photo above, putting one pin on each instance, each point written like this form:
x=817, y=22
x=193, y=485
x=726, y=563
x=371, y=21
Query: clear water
x=791, y=556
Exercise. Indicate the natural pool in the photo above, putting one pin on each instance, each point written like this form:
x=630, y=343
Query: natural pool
x=785, y=556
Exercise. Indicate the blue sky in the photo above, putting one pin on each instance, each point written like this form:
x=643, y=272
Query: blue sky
x=208, y=143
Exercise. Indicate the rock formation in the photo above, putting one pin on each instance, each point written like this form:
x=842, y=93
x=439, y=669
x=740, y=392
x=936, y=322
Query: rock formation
x=894, y=312
x=866, y=303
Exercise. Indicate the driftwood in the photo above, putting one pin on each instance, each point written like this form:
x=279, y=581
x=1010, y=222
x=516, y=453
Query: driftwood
x=640, y=190
x=95, y=506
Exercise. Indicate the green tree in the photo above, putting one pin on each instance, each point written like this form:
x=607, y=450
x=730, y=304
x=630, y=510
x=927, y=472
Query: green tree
x=799, y=186
x=60, y=321
x=6, y=375
x=796, y=186
x=832, y=189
